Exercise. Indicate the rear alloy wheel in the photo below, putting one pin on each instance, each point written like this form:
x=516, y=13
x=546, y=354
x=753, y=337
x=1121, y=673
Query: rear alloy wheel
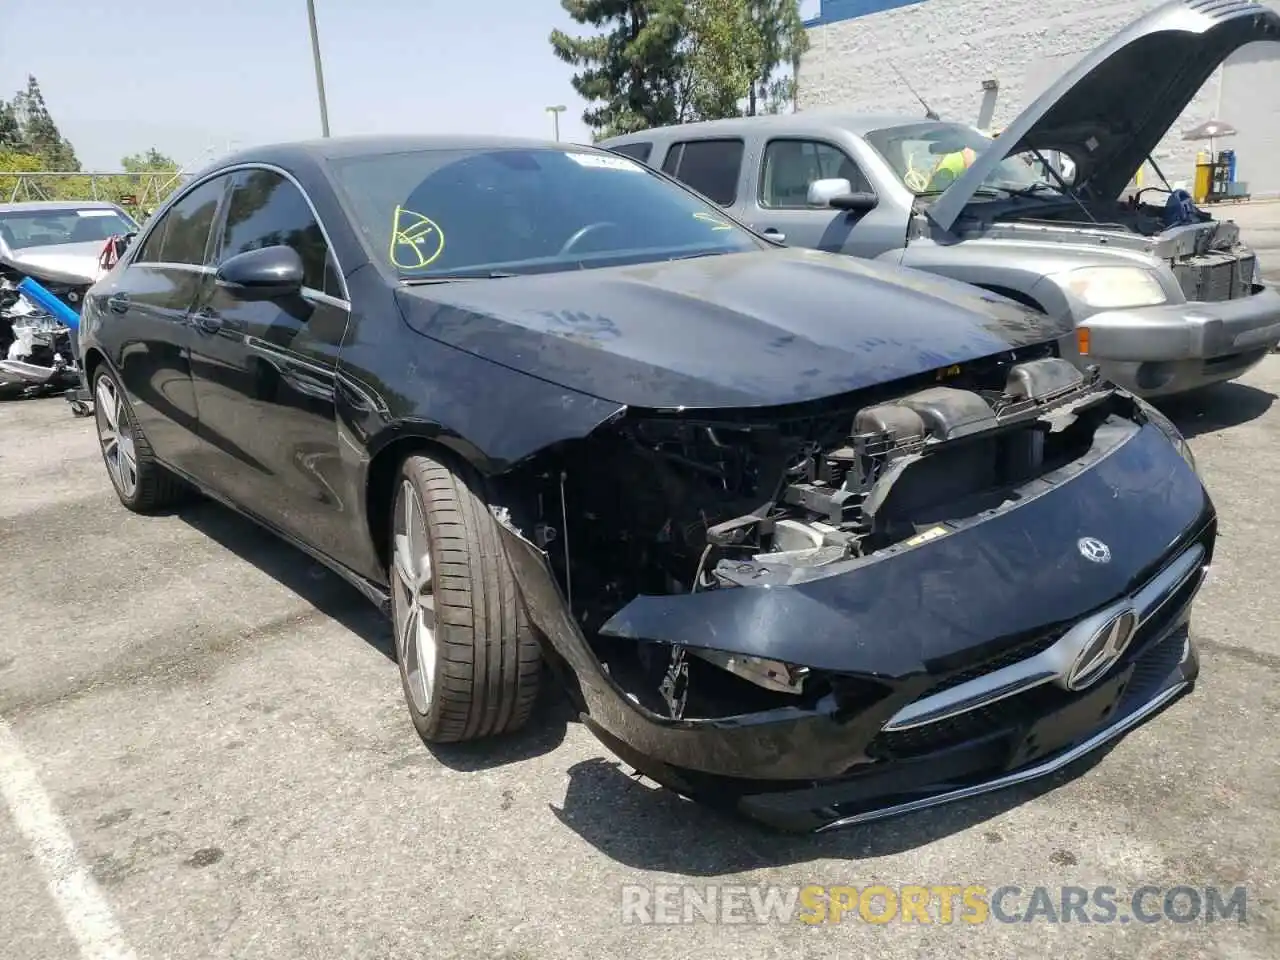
x=140, y=482
x=469, y=659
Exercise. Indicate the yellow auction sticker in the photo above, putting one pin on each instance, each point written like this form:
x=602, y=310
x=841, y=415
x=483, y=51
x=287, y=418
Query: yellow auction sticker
x=416, y=240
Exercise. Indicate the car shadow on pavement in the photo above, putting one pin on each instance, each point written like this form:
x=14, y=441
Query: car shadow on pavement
x=338, y=600
x=294, y=570
x=651, y=828
x=1216, y=408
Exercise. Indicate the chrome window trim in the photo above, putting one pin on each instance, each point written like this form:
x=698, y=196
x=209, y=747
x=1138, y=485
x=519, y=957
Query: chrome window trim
x=1054, y=663
x=309, y=293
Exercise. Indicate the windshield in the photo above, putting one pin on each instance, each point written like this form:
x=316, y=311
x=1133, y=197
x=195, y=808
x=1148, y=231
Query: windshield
x=46, y=228
x=448, y=213
x=929, y=157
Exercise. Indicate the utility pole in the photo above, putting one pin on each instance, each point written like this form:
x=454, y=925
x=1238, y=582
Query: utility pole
x=315, y=54
x=555, y=120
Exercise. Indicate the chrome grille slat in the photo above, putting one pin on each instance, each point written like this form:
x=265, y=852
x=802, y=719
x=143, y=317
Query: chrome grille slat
x=1053, y=663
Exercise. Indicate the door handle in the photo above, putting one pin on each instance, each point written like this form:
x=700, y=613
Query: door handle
x=207, y=321
x=774, y=234
x=118, y=302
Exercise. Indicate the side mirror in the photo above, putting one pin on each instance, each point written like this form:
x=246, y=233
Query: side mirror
x=822, y=192
x=263, y=274
x=856, y=202
x=838, y=194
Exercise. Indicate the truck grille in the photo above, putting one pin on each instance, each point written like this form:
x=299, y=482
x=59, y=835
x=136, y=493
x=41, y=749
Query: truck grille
x=1215, y=276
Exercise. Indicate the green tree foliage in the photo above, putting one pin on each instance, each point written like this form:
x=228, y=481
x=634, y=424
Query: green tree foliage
x=14, y=161
x=151, y=161
x=632, y=68
x=38, y=134
x=777, y=39
x=30, y=142
x=10, y=129
x=720, y=64
x=654, y=62
x=737, y=49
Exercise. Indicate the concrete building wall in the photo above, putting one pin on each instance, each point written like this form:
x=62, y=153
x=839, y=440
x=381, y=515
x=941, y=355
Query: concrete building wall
x=946, y=49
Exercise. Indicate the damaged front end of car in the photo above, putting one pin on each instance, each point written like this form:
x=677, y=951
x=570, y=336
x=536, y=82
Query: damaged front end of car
x=853, y=607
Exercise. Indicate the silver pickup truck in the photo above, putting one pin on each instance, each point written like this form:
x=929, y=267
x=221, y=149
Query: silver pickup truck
x=1165, y=298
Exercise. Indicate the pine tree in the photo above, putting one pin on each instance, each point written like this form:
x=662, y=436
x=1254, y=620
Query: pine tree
x=633, y=73
x=10, y=129
x=40, y=136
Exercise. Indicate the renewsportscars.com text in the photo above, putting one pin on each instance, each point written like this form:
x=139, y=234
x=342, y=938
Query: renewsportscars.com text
x=931, y=904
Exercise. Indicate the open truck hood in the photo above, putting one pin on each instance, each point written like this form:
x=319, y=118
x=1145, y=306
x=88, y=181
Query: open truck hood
x=1111, y=109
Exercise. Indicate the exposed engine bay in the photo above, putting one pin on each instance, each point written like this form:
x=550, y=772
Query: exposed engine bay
x=1206, y=255
x=36, y=354
x=747, y=498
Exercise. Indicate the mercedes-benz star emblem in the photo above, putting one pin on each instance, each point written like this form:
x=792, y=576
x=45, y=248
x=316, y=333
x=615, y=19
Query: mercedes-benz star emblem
x=1091, y=548
x=1102, y=650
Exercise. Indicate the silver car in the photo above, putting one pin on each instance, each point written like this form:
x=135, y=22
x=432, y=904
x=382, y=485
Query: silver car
x=62, y=236
x=1163, y=298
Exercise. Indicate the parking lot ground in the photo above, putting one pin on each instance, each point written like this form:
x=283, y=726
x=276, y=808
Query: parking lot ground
x=217, y=726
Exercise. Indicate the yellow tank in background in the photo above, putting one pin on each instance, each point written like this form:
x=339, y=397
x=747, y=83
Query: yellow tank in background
x=1204, y=177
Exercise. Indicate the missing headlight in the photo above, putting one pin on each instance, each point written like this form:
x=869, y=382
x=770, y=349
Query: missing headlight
x=769, y=674
x=1166, y=426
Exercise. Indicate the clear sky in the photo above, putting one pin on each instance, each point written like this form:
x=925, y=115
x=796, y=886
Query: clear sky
x=191, y=77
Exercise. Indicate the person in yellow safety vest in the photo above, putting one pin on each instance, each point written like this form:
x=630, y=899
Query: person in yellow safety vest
x=950, y=166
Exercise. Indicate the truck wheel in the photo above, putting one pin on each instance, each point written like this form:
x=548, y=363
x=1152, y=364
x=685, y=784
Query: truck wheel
x=469, y=659
x=141, y=483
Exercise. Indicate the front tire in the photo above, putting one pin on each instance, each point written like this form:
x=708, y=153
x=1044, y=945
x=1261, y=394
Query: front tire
x=469, y=659
x=139, y=480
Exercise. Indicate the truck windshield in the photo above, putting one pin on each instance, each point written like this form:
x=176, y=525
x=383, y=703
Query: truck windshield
x=929, y=157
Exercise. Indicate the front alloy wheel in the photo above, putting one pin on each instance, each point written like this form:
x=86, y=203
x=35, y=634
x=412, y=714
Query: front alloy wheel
x=415, y=605
x=469, y=659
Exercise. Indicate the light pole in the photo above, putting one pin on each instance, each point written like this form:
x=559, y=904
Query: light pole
x=315, y=54
x=555, y=119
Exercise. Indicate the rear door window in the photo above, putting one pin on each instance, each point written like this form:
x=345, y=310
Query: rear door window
x=182, y=235
x=709, y=166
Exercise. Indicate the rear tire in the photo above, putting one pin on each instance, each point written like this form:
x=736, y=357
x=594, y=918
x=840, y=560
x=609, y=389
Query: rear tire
x=139, y=480
x=469, y=659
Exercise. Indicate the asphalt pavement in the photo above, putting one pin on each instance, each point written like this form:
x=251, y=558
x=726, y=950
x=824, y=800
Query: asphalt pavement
x=204, y=753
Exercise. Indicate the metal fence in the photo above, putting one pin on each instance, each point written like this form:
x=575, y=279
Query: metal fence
x=136, y=190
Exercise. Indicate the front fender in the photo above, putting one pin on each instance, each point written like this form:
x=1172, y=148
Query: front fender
x=1021, y=266
x=994, y=266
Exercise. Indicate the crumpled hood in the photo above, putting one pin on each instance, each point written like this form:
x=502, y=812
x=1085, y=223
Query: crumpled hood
x=67, y=262
x=1111, y=110
x=741, y=330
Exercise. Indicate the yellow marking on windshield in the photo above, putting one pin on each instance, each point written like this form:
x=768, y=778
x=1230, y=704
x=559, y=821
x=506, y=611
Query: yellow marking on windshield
x=416, y=241
x=718, y=224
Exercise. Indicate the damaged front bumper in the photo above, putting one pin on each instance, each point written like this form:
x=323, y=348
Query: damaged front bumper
x=1155, y=351
x=949, y=662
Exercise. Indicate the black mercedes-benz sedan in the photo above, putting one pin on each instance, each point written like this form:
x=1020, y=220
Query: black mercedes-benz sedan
x=816, y=539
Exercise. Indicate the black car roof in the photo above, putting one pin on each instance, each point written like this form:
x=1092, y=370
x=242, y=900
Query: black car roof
x=334, y=148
